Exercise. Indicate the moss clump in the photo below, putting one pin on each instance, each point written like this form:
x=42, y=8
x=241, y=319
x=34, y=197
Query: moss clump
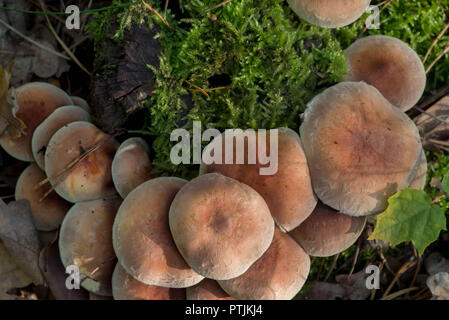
x=269, y=62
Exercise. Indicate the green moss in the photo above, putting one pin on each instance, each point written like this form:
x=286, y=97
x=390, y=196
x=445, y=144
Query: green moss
x=273, y=62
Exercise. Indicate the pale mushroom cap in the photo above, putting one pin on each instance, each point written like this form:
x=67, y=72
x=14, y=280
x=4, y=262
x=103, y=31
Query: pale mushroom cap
x=391, y=66
x=220, y=226
x=85, y=240
x=57, y=119
x=328, y=232
x=80, y=102
x=421, y=175
x=91, y=178
x=142, y=238
x=288, y=192
x=278, y=275
x=360, y=149
x=33, y=103
x=329, y=13
x=131, y=165
x=207, y=290
x=125, y=287
x=47, y=214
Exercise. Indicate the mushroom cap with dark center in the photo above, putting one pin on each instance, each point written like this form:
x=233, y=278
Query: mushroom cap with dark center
x=91, y=178
x=391, y=66
x=131, y=165
x=32, y=103
x=85, y=241
x=142, y=239
x=327, y=232
x=278, y=275
x=57, y=119
x=125, y=287
x=288, y=192
x=360, y=149
x=207, y=290
x=220, y=226
x=48, y=213
x=329, y=13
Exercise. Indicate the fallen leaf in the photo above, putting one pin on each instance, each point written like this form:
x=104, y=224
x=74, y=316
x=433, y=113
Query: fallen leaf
x=11, y=276
x=439, y=286
x=19, y=235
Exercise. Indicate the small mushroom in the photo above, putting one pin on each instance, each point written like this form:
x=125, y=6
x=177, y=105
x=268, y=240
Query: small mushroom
x=31, y=103
x=360, y=149
x=278, y=275
x=220, y=226
x=142, y=238
x=328, y=232
x=80, y=102
x=85, y=241
x=288, y=192
x=131, y=165
x=91, y=177
x=57, y=119
x=125, y=287
x=391, y=66
x=329, y=13
x=48, y=213
x=421, y=175
x=207, y=290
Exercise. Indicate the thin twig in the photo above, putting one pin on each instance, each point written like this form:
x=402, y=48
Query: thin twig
x=373, y=290
x=434, y=43
x=212, y=89
x=334, y=262
x=432, y=116
x=374, y=17
x=166, y=8
x=37, y=44
x=356, y=256
x=216, y=6
x=401, y=271
x=320, y=269
x=157, y=13
x=64, y=46
x=198, y=88
x=445, y=51
x=399, y=293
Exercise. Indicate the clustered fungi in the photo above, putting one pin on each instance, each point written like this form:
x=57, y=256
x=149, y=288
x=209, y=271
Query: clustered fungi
x=229, y=233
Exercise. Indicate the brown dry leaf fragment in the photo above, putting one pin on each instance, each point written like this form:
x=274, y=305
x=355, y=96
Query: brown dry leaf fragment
x=54, y=273
x=11, y=276
x=19, y=235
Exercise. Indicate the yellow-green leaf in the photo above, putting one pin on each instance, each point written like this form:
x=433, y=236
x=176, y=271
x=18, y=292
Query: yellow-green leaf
x=410, y=216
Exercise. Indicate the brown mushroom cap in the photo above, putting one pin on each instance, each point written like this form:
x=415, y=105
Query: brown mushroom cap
x=80, y=102
x=47, y=214
x=142, y=238
x=32, y=103
x=288, y=192
x=421, y=175
x=91, y=178
x=360, y=149
x=220, y=226
x=57, y=119
x=125, y=287
x=391, y=66
x=278, y=275
x=85, y=240
x=329, y=13
x=328, y=232
x=207, y=290
x=131, y=165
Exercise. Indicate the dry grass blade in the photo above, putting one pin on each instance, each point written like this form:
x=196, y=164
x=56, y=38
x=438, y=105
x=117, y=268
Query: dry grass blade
x=445, y=51
x=434, y=43
x=216, y=6
x=399, y=293
x=401, y=271
x=212, y=89
x=64, y=46
x=356, y=256
x=157, y=13
x=198, y=88
x=373, y=290
x=37, y=44
x=334, y=262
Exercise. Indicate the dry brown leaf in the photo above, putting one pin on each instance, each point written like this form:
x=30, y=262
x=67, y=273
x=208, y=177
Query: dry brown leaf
x=19, y=235
x=11, y=276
